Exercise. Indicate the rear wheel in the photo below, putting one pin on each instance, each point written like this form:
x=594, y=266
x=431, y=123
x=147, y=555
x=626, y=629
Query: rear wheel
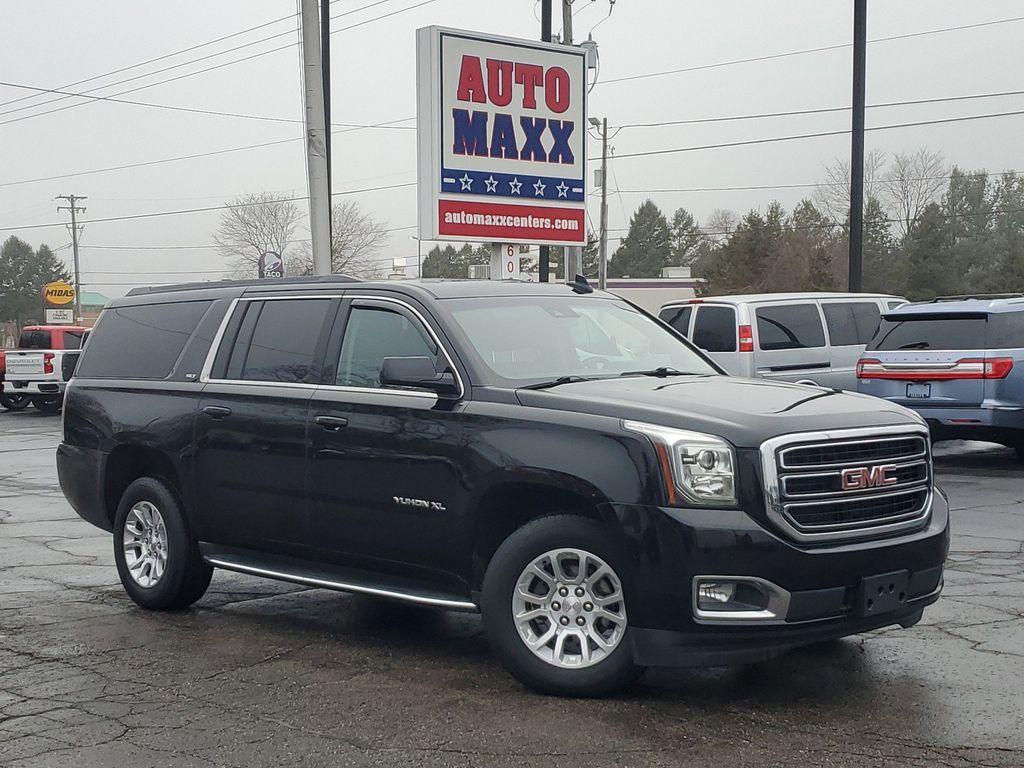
x=48, y=403
x=554, y=606
x=157, y=557
x=13, y=402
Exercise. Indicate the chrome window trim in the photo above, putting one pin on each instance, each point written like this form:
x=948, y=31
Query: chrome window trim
x=824, y=495
x=815, y=437
x=204, y=376
x=772, y=492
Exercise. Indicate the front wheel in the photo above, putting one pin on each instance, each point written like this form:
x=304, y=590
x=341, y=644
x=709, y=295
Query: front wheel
x=157, y=557
x=48, y=403
x=13, y=402
x=554, y=606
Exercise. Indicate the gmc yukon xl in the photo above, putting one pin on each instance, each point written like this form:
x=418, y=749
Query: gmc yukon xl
x=547, y=455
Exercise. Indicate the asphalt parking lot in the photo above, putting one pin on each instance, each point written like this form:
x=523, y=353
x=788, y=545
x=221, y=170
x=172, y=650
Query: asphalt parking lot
x=261, y=673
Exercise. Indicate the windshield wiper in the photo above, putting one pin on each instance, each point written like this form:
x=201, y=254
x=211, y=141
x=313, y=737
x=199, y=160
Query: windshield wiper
x=661, y=372
x=559, y=381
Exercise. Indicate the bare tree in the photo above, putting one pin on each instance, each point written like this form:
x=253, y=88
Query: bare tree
x=911, y=183
x=833, y=194
x=356, y=240
x=719, y=224
x=253, y=224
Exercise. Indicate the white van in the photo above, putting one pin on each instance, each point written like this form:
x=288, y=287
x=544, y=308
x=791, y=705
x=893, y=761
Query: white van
x=809, y=338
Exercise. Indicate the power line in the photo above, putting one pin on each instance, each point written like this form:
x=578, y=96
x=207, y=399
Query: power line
x=210, y=68
x=194, y=156
x=819, y=134
x=803, y=51
x=193, y=110
x=819, y=111
x=805, y=185
x=206, y=209
x=163, y=56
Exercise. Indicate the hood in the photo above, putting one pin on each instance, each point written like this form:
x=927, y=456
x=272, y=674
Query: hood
x=746, y=412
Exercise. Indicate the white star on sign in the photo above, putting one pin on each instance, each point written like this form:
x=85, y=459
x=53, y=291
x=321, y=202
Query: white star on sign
x=492, y=184
x=563, y=189
x=467, y=183
x=516, y=185
x=538, y=188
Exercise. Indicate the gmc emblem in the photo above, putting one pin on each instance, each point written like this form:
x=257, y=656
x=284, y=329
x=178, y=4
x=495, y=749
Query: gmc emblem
x=858, y=478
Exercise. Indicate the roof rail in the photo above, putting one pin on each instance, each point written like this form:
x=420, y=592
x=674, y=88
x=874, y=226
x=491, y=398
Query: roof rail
x=249, y=283
x=978, y=296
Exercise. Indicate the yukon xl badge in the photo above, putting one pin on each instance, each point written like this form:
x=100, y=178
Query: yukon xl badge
x=405, y=501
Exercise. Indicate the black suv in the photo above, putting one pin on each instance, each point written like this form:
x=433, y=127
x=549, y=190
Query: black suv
x=546, y=454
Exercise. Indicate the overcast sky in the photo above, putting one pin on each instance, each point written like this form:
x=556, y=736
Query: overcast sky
x=54, y=44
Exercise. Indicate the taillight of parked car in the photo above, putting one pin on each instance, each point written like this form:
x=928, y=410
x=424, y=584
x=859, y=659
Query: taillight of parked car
x=48, y=362
x=967, y=368
x=746, y=338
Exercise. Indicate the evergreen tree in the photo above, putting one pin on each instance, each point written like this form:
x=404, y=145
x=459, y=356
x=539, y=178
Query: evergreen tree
x=687, y=239
x=452, y=262
x=23, y=273
x=647, y=246
x=929, y=255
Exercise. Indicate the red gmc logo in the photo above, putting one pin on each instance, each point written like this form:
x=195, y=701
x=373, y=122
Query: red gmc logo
x=855, y=479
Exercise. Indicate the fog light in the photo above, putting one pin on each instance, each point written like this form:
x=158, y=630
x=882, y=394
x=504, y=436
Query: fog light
x=739, y=598
x=712, y=593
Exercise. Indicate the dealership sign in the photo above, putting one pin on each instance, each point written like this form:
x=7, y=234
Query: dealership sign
x=502, y=139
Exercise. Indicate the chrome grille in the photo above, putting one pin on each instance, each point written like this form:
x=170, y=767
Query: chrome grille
x=887, y=490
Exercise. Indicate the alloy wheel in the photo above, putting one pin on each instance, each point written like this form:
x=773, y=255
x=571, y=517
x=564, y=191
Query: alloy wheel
x=145, y=544
x=569, y=608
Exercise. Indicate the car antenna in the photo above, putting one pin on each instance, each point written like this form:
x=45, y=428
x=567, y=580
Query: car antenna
x=580, y=285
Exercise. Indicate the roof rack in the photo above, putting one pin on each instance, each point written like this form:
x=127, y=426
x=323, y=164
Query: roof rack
x=251, y=282
x=978, y=296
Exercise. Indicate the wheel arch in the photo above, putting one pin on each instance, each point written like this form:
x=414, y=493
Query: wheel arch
x=128, y=462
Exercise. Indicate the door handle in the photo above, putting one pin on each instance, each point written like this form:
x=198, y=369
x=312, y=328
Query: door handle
x=216, y=411
x=330, y=423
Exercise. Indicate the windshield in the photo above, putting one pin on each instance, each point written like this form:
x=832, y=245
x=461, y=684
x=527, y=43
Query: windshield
x=539, y=338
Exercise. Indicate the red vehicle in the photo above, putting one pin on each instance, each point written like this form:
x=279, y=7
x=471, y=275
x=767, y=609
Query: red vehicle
x=38, y=337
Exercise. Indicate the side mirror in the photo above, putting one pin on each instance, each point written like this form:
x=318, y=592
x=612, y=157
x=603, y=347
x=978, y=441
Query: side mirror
x=417, y=372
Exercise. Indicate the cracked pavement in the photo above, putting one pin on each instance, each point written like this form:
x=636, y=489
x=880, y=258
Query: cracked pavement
x=263, y=673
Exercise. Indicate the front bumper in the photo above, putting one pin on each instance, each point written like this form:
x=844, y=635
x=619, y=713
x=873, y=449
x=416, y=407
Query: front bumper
x=667, y=548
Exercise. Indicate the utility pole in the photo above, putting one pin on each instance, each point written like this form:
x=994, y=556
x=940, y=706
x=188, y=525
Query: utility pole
x=572, y=255
x=602, y=256
x=325, y=54
x=75, y=209
x=316, y=138
x=860, y=33
x=544, y=252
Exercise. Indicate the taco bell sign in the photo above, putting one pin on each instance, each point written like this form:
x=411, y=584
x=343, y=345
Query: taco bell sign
x=502, y=139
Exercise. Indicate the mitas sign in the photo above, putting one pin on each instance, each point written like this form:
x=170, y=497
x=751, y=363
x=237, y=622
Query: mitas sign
x=502, y=151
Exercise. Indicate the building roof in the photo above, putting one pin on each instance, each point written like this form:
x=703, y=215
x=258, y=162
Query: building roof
x=94, y=299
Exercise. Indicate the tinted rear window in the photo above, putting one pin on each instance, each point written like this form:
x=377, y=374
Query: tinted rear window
x=35, y=340
x=790, y=326
x=1006, y=330
x=140, y=342
x=678, y=318
x=930, y=332
x=851, y=322
x=284, y=340
x=715, y=329
x=72, y=339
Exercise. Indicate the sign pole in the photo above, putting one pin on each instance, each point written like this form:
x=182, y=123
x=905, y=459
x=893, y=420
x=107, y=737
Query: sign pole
x=544, y=252
x=316, y=138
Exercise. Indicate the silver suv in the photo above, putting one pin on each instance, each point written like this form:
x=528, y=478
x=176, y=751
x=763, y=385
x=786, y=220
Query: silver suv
x=808, y=338
x=959, y=363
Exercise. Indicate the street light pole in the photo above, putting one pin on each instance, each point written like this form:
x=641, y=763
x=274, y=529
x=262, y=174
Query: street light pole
x=316, y=138
x=602, y=257
x=544, y=252
x=860, y=33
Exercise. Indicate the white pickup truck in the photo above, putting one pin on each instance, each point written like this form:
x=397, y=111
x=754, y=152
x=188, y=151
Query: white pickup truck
x=43, y=364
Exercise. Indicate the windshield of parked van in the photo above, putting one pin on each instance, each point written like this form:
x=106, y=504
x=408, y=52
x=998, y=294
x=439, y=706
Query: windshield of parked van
x=541, y=338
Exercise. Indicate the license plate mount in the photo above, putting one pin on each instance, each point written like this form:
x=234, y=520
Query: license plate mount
x=884, y=593
x=917, y=390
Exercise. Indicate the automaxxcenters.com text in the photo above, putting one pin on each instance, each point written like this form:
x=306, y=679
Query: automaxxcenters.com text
x=496, y=220
x=510, y=222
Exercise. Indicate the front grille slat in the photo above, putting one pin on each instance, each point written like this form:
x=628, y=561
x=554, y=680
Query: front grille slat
x=888, y=484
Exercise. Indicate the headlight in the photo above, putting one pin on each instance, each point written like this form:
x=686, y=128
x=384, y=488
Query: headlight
x=701, y=468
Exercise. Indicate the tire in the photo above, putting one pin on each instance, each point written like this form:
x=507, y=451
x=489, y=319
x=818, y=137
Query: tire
x=184, y=576
x=14, y=402
x=607, y=671
x=48, y=403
